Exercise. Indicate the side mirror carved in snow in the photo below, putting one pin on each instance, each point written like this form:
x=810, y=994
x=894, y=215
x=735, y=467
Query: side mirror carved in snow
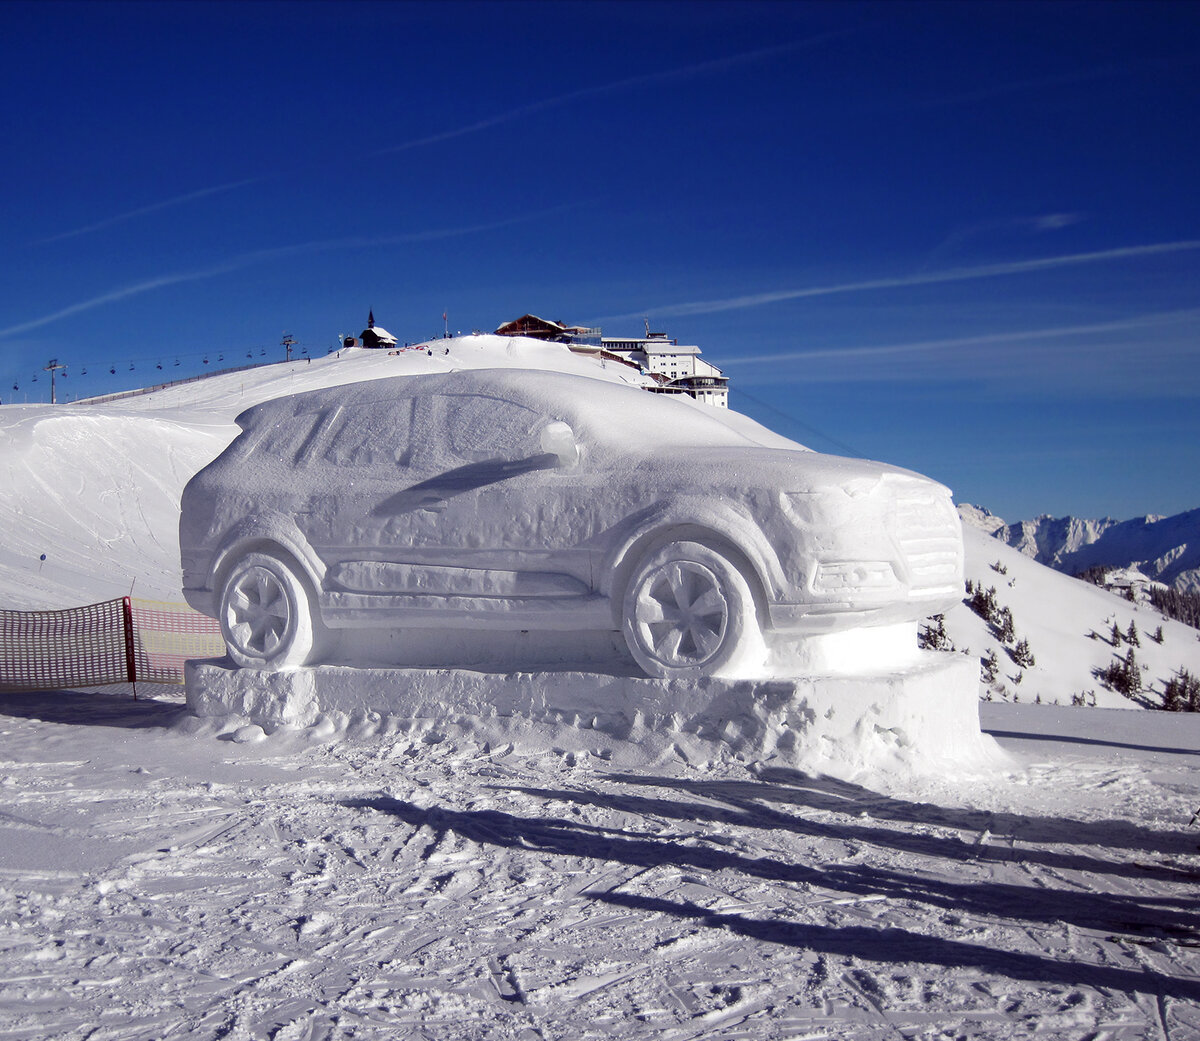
x=558, y=439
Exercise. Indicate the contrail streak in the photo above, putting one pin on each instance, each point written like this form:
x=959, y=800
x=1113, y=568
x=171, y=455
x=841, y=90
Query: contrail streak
x=900, y=282
x=178, y=200
x=258, y=256
x=988, y=339
x=684, y=72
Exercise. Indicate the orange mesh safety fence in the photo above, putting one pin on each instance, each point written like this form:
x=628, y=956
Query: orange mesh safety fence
x=80, y=646
x=117, y=641
x=167, y=635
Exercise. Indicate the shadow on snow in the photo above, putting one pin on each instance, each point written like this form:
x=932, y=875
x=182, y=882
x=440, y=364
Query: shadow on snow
x=1144, y=916
x=115, y=707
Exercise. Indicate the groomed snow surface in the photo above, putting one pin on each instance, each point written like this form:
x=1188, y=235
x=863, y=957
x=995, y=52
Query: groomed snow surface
x=164, y=875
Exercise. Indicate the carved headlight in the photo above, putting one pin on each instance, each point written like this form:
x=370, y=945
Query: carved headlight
x=854, y=576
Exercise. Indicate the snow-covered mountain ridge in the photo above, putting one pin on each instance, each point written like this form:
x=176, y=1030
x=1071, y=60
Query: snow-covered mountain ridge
x=1166, y=549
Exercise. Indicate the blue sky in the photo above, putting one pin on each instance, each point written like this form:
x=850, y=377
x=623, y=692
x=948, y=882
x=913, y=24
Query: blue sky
x=964, y=238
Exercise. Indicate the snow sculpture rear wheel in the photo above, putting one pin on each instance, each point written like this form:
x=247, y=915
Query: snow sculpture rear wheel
x=266, y=614
x=689, y=612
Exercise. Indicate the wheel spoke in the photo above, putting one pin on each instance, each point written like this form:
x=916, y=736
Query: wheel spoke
x=709, y=604
x=668, y=647
x=270, y=639
x=650, y=609
x=679, y=584
x=705, y=639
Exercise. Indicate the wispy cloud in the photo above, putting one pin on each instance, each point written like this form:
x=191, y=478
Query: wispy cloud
x=956, y=344
x=1036, y=83
x=1143, y=355
x=120, y=218
x=685, y=72
x=260, y=256
x=965, y=274
x=1035, y=225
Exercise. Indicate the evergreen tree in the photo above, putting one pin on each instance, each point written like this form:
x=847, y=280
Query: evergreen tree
x=1132, y=635
x=933, y=636
x=1124, y=675
x=1023, y=656
x=1115, y=636
x=1157, y=635
x=989, y=666
x=983, y=603
x=1182, y=692
x=1007, y=632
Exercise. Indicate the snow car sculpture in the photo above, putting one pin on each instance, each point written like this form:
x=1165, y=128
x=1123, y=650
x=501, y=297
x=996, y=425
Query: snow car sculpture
x=522, y=500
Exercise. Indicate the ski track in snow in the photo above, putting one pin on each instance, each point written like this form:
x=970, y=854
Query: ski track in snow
x=159, y=879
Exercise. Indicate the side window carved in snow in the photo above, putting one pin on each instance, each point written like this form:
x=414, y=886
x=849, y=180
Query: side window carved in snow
x=482, y=428
x=375, y=433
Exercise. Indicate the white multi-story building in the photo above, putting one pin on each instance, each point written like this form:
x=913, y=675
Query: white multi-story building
x=676, y=368
x=669, y=366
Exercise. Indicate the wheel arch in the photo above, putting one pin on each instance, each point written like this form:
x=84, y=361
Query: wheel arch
x=737, y=538
x=275, y=535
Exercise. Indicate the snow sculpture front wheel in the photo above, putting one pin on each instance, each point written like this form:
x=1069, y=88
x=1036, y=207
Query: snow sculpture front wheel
x=689, y=612
x=266, y=614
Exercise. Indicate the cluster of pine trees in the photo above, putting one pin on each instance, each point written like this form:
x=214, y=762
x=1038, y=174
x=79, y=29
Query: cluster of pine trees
x=1184, y=607
x=1181, y=692
x=1000, y=620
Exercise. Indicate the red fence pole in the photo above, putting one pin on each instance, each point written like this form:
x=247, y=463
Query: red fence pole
x=130, y=658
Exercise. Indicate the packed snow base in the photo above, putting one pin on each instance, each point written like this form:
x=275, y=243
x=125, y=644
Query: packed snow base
x=921, y=718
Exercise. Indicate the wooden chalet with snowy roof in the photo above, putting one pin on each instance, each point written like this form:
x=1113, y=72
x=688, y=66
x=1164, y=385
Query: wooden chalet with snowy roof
x=544, y=329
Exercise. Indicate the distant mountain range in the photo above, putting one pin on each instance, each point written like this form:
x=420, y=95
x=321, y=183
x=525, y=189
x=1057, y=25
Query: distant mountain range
x=1166, y=549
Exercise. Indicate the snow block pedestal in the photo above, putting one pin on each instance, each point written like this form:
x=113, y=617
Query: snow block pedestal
x=925, y=716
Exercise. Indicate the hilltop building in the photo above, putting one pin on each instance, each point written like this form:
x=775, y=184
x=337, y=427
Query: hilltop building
x=673, y=367
x=676, y=368
x=544, y=329
x=376, y=335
